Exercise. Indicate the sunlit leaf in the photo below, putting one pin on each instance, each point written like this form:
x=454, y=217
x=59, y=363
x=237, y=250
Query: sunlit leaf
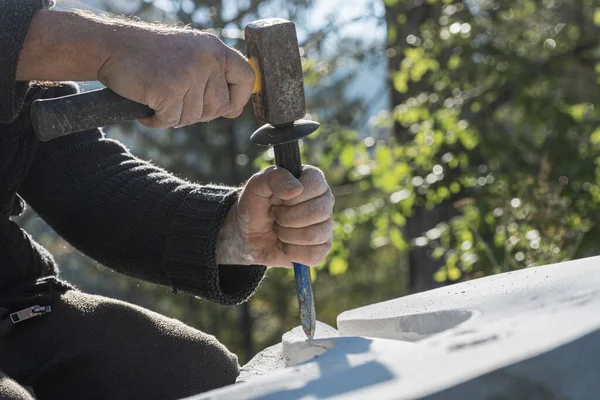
x=454, y=61
x=397, y=239
x=440, y=275
x=453, y=273
x=338, y=266
x=347, y=156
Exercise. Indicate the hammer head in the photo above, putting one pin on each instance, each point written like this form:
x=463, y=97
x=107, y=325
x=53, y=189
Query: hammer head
x=272, y=44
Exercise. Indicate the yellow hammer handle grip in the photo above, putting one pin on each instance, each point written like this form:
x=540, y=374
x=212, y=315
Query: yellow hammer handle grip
x=257, y=80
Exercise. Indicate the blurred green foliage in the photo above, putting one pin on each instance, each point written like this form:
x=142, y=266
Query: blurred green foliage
x=498, y=116
x=493, y=114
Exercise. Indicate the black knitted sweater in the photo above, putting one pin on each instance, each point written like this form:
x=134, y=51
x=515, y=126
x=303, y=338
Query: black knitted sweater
x=124, y=212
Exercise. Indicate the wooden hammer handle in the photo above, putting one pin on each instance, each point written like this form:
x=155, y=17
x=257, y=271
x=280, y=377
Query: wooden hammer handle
x=53, y=118
x=257, y=75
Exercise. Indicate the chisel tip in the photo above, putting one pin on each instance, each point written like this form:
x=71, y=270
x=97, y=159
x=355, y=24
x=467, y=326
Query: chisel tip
x=308, y=323
x=306, y=300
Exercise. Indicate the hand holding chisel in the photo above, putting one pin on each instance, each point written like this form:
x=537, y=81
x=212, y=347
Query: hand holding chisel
x=278, y=100
x=272, y=48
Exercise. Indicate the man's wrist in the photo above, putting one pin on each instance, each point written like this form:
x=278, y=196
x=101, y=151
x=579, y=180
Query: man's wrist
x=230, y=243
x=64, y=46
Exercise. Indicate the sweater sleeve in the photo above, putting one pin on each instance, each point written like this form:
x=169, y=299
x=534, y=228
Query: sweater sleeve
x=15, y=18
x=136, y=218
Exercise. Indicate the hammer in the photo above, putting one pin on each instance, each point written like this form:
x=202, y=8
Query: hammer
x=278, y=100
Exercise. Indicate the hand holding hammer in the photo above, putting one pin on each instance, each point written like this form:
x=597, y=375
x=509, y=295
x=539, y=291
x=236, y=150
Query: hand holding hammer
x=278, y=101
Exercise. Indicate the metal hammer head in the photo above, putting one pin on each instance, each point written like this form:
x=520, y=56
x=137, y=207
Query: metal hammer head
x=272, y=49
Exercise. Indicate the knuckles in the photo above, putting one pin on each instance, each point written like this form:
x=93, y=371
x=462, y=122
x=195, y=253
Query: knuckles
x=311, y=212
x=162, y=72
x=330, y=200
x=325, y=250
x=323, y=234
x=235, y=113
x=317, y=254
x=258, y=183
x=196, y=55
x=312, y=235
x=312, y=258
x=268, y=173
x=326, y=234
x=316, y=210
x=313, y=180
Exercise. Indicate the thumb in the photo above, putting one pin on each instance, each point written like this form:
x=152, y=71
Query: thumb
x=275, y=183
x=240, y=79
x=267, y=188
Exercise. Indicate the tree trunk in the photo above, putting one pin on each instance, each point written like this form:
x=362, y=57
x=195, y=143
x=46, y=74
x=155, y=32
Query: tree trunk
x=421, y=265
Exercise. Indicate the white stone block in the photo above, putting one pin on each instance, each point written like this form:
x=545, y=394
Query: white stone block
x=298, y=349
x=385, y=320
x=294, y=349
x=530, y=334
x=267, y=361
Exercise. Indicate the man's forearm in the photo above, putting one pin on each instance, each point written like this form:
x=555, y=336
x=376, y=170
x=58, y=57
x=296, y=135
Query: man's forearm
x=63, y=46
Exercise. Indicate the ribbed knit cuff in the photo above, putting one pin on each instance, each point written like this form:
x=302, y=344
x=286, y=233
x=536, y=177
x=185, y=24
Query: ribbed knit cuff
x=15, y=18
x=190, y=260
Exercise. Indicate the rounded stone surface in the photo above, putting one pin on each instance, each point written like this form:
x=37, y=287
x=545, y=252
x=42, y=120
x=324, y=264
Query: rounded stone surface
x=533, y=333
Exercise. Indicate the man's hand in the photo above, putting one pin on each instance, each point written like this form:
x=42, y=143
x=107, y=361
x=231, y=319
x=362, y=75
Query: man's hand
x=279, y=219
x=185, y=75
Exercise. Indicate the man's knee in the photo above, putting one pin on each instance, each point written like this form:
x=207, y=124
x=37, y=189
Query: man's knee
x=121, y=350
x=161, y=349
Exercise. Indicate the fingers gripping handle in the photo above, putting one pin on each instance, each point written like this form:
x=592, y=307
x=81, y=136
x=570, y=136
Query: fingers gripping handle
x=53, y=118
